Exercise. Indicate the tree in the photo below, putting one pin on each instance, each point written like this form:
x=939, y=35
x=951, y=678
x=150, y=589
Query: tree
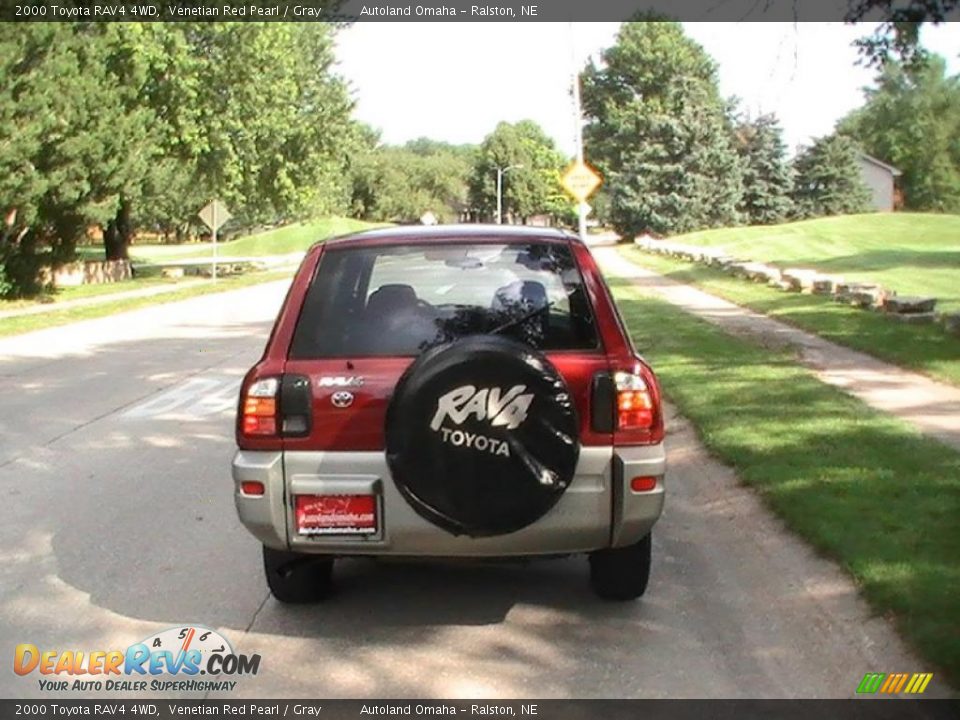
x=531, y=186
x=658, y=130
x=897, y=38
x=400, y=184
x=123, y=125
x=911, y=119
x=828, y=180
x=62, y=147
x=767, y=177
x=272, y=121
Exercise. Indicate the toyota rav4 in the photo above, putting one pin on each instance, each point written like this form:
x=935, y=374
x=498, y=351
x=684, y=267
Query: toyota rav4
x=450, y=392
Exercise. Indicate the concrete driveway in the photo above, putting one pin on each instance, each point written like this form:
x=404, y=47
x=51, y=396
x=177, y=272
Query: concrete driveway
x=117, y=521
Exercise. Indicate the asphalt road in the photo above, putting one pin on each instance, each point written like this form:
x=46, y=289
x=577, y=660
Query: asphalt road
x=117, y=521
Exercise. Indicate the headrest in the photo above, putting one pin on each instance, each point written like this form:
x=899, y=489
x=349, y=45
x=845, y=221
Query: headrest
x=522, y=294
x=391, y=297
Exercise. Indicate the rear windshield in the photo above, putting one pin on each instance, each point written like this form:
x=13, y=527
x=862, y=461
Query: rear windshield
x=402, y=300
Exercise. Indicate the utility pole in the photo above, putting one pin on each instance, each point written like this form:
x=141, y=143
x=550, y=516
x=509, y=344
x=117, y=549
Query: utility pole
x=578, y=129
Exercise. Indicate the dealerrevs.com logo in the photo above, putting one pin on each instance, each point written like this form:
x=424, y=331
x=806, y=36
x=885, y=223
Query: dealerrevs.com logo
x=180, y=659
x=498, y=408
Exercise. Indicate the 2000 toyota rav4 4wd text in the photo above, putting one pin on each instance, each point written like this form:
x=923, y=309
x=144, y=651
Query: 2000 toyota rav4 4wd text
x=461, y=391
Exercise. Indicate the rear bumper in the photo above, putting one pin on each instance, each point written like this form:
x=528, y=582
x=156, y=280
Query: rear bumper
x=597, y=511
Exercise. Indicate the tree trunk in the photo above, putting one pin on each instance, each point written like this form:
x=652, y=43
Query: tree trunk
x=118, y=233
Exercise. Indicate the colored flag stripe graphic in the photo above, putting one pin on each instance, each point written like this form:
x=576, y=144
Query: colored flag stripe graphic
x=894, y=683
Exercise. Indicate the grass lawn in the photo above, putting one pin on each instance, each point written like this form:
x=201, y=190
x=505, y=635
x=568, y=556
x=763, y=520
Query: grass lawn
x=81, y=292
x=925, y=348
x=281, y=241
x=912, y=253
x=861, y=487
x=53, y=318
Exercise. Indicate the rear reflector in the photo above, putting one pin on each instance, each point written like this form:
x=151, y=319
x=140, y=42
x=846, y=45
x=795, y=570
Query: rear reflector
x=643, y=484
x=336, y=514
x=252, y=488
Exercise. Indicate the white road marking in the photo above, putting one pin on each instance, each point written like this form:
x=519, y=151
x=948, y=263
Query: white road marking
x=195, y=399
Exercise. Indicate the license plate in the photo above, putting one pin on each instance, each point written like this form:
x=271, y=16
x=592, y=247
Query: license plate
x=336, y=514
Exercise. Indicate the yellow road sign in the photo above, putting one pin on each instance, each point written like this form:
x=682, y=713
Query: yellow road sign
x=214, y=214
x=580, y=180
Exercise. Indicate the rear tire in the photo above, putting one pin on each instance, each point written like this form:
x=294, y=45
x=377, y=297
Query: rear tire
x=297, y=577
x=621, y=573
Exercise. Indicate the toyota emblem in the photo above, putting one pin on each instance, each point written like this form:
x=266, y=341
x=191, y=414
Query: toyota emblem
x=342, y=399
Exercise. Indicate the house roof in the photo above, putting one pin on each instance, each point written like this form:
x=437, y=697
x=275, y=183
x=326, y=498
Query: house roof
x=869, y=158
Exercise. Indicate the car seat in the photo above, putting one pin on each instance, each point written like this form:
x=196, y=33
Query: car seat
x=389, y=299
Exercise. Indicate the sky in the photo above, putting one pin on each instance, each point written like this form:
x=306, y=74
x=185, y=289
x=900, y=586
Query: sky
x=456, y=81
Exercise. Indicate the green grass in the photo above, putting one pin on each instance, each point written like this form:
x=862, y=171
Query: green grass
x=912, y=253
x=54, y=318
x=281, y=241
x=861, y=487
x=81, y=292
x=925, y=348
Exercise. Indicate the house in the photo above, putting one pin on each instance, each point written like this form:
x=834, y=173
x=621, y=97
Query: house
x=880, y=178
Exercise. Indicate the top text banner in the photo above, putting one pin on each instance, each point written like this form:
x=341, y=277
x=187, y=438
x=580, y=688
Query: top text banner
x=442, y=11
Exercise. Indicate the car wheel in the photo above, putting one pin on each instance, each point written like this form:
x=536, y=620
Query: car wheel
x=297, y=577
x=621, y=573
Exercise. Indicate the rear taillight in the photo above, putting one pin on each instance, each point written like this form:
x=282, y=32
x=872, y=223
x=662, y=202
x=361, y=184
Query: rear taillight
x=259, y=408
x=638, y=416
x=635, y=402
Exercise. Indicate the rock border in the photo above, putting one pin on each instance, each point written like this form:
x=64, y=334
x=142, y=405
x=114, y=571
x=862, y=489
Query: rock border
x=866, y=296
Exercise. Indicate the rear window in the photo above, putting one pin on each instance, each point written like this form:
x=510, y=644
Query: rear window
x=401, y=300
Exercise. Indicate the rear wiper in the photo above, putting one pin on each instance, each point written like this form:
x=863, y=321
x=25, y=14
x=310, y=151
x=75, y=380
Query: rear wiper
x=522, y=319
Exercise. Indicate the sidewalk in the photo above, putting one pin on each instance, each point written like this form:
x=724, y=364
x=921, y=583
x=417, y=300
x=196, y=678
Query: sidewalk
x=97, y=299
x=273, y=262
x=931, y=407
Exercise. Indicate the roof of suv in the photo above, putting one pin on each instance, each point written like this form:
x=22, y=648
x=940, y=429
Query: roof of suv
x=442, y=233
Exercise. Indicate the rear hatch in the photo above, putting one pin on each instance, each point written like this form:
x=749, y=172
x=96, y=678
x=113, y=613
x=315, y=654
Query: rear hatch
x=370, y=310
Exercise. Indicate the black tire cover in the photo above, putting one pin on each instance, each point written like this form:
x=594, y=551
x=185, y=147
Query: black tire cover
x=482, y=436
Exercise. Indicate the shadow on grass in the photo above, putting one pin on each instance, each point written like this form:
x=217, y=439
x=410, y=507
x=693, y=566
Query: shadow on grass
x=877, y=260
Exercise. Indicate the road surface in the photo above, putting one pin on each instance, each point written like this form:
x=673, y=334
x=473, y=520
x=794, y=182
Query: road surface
x=117, y=521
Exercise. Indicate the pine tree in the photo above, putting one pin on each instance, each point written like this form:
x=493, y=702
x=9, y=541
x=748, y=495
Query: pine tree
x=828, y=180
x=658, y=130
x=767, y=177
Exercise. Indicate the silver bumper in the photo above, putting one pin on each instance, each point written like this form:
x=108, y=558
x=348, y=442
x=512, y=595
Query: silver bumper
x=597, y=511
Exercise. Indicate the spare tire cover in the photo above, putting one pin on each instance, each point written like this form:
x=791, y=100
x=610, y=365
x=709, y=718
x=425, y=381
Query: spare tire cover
x=481, y=436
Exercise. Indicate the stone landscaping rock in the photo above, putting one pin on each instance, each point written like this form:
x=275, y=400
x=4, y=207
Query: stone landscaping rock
x=904, y=305
x=921, y=318
x=863, y=295
x=951, y=323
x=809, y=281
x=759, y=272
x=821, y=285
x=800, y=277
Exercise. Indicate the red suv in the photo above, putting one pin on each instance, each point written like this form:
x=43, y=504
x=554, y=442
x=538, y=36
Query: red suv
x=458, y=391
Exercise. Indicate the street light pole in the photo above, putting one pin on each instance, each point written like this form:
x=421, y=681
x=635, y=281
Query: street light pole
x=500, y=173
x=578, y=129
